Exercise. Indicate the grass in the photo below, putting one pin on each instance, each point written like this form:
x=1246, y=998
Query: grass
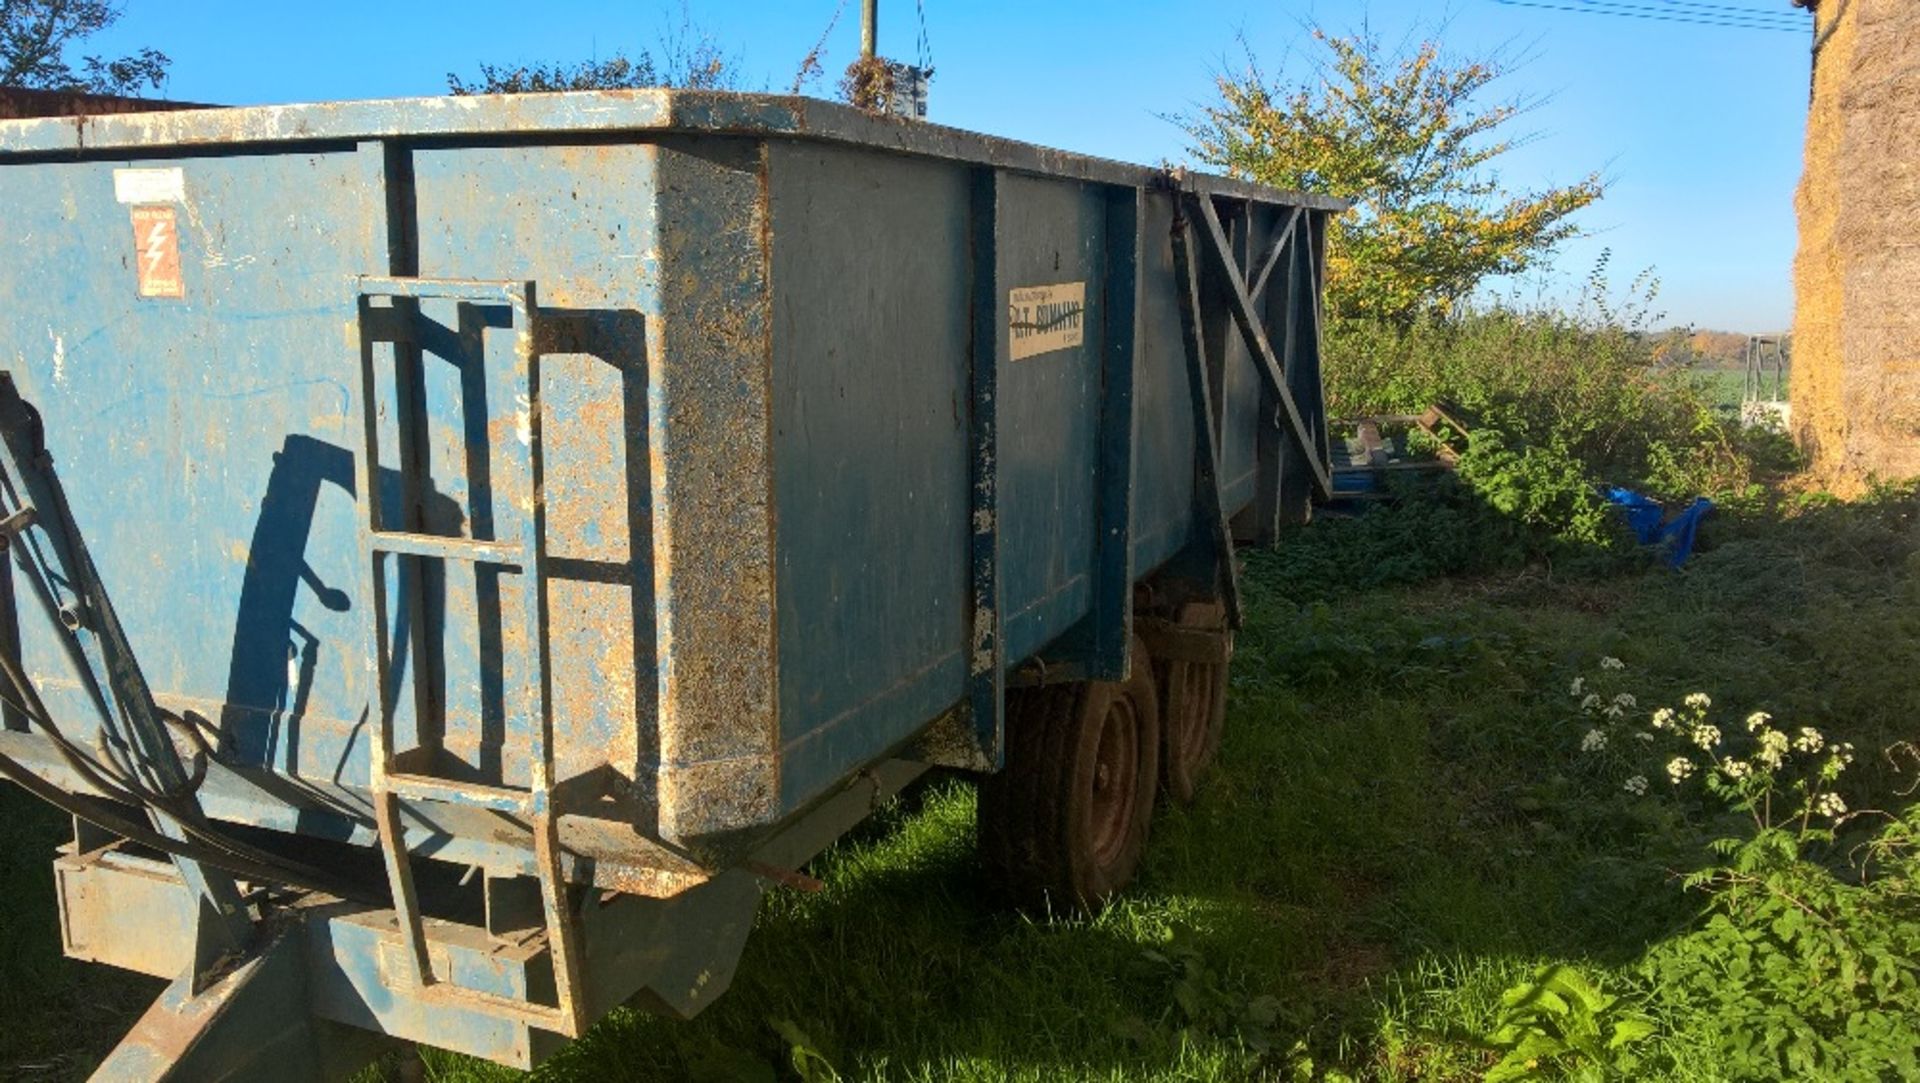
x=61, y=1016
x=1392, y=839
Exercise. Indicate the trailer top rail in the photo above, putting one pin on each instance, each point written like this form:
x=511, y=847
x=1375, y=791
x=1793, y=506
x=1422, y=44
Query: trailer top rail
x=586, y=114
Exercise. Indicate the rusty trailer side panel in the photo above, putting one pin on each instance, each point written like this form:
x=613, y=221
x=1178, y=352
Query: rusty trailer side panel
x=596, y=488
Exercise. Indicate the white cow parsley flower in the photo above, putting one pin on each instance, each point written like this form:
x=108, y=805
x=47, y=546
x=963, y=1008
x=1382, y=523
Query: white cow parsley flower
x=1773, y=749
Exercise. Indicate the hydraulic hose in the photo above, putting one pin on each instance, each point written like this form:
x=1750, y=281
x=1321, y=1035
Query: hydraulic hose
x=146, y=836
x=215, y=848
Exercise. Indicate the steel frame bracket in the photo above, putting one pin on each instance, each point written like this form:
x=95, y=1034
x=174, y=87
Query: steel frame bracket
x=1209, y=504
x=1099, y=646
x=973, y=736
x=1241, y=307
x=1209, y=560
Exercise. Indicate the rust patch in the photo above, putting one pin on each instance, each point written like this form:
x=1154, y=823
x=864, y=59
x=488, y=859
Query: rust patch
x=595, y=671
x=710, y=440
x=646, y=882
x=949, y=741
x=18, y=103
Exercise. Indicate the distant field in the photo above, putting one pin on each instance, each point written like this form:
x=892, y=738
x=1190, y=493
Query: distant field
x=1724, y=386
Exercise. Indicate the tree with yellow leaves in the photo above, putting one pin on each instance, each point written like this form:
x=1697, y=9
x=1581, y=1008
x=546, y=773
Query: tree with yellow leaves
x=1406, y=135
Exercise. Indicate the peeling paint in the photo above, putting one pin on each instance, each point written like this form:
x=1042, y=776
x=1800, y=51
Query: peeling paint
x=293, y=676
x=59, y=358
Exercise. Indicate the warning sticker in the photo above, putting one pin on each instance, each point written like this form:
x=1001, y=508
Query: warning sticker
x=156, y=252
x=1042, y=319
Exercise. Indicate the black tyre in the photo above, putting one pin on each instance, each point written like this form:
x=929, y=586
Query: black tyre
x=1193, y=703
x=1064, y=824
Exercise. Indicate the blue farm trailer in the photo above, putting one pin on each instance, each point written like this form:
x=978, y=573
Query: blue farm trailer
x=465, y=550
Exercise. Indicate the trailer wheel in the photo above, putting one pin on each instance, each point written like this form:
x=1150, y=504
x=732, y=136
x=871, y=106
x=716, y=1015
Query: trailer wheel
x=1064, y=823
x=1193, y=704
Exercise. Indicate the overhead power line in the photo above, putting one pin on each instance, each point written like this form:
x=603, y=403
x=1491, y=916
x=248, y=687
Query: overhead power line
x=1689, y=14
x=1698, y=14
x=1715, y=9
x=1727, y=18
x=1690, y=9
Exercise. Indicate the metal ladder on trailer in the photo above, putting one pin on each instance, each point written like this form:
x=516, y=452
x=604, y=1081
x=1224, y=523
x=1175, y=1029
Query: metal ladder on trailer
x=396, y=323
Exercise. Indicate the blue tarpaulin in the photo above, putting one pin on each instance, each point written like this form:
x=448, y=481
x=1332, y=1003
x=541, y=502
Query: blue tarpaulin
x=1648, y=518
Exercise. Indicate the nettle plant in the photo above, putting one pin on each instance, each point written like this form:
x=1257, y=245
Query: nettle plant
x=1804, y=962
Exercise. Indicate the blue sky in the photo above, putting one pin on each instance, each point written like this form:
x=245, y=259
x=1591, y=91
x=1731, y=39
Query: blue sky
x=1698, y=128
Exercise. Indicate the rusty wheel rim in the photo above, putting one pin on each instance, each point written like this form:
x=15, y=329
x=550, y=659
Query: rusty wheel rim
x=1116, y=781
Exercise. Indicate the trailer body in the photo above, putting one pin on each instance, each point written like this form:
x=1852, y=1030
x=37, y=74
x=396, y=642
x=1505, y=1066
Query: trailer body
x=607, y=493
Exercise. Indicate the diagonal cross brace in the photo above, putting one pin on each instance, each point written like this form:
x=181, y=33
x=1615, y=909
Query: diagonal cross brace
x=1241, y=306
x=1275, y=251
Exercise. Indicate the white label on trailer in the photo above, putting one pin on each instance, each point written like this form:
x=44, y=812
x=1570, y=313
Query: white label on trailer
x=146, y=187
x=1042, y=319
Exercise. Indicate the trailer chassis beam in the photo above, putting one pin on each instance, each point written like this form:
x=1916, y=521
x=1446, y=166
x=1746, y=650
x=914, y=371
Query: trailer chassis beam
x=251, y=1023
